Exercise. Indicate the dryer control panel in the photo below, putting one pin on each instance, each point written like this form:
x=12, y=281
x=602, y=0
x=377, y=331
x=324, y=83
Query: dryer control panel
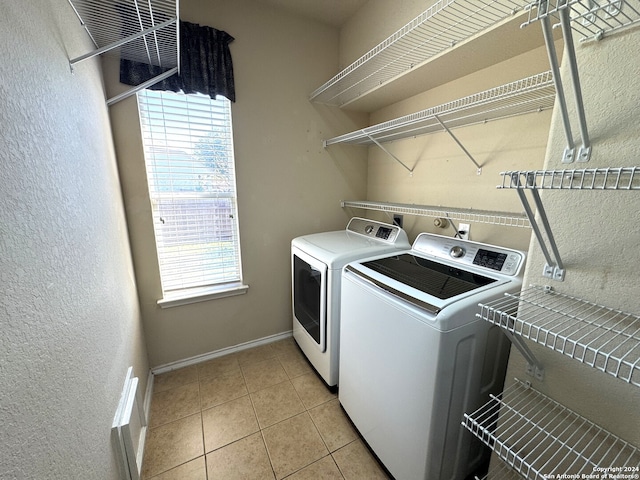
x=377, y=230
x=465, y=252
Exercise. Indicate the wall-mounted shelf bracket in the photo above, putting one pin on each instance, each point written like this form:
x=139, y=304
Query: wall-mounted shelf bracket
x=543, y=14
x=410, y=170
x=554, y=268
x=478, y=167
x=534, y=367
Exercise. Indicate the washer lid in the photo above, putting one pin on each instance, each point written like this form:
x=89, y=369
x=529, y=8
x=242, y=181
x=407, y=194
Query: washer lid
x=435, y=279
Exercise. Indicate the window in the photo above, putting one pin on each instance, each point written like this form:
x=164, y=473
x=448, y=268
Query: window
x=188, y=149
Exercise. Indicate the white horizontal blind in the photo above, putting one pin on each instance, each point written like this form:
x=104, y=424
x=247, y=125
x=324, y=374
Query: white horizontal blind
x=188, y=146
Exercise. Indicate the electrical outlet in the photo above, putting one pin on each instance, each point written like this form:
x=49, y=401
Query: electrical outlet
x=463, y=231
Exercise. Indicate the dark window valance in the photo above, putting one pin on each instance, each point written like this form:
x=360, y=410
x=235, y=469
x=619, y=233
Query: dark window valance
x=205, y=64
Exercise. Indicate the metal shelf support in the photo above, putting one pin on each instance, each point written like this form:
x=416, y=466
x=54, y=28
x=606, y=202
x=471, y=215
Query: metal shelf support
x=562, y=9
x=478, y=167
x=554, y=268
x=379, y=145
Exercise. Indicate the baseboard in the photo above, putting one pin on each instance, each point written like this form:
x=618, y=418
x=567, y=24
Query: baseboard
x=218, y=353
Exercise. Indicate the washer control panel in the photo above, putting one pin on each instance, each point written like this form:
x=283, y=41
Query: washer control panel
x=465, y=252
x=376, y=230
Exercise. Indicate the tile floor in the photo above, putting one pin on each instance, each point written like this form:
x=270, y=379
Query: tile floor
x=261, y=413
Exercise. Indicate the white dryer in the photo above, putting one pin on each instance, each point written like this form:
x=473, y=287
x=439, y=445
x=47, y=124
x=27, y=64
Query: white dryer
x=316, y=267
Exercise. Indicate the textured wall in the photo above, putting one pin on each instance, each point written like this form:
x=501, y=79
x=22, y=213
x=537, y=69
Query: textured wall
x=597, y=232
x=69, y=312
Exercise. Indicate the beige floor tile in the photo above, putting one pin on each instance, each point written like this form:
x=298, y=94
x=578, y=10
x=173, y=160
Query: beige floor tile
x=256, y=354
x=175, y=378
x=193, y=470
x=295, y=364
x=285, y=347
x=356, y=462
x=324, y=469
x=178, y=402
x=217, y=390
x=245, y=459
x=293, y=444
x=173, y=444
x=228, y=422
x=226, y=365
x=263, y=374
x=312, y=390
x=335, y=428
x=276, y=403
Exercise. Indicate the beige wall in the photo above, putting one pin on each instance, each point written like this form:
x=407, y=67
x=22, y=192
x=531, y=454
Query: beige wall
x=596, y=232
x=288, y=185
x=69, y=313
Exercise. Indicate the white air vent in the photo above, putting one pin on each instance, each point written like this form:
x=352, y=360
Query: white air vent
x=129, y=429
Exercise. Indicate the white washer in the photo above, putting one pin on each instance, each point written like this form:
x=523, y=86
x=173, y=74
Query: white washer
x=414, y=357
x=316, y=264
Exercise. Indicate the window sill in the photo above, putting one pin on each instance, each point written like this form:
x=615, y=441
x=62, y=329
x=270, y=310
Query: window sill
x=202, y=295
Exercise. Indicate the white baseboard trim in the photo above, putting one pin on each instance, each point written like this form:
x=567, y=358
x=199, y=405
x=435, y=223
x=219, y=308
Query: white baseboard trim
x=147, y=396
x=218, y=353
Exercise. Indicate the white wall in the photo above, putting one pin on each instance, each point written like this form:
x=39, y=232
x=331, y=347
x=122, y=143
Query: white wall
x=288, y=185
x=69, y=312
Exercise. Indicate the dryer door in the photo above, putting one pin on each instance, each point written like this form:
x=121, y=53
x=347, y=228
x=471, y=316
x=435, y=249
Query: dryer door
x=309, y=282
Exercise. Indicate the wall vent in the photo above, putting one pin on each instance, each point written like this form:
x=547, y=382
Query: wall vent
x=129, y=429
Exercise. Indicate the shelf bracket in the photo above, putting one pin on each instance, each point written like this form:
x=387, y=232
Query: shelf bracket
x=123, y=41
x=584, y=152
x=554, y=267
x=410, y=170
x=478, y=167
x=534, y=367
x=142, y=86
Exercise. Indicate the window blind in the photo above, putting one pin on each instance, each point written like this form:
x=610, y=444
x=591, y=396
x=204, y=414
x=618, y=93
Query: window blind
x=188, y=147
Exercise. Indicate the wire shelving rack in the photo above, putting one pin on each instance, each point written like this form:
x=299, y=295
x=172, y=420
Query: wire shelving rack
x=610, y=178
x=145, y=31
x=465, y=215
x=440, y=27
x=595, y=335
x=591, y=19
x=538, y=437
x=531, y=94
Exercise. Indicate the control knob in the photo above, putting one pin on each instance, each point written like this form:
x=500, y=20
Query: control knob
x=368, y=229
x=457, y=252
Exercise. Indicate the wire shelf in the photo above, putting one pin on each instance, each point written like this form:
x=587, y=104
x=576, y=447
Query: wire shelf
x=591, y=19
x=465, y=215
x=540, y=438
x=618, y=178
x=145, y=31
x=440, y=27
x=600, y=337
x=531, y=94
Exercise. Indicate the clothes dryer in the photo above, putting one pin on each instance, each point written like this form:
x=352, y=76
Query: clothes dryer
x=316, y=267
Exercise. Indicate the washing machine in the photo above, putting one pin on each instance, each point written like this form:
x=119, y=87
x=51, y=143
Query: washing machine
x=414, y=357
x=316, y=264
